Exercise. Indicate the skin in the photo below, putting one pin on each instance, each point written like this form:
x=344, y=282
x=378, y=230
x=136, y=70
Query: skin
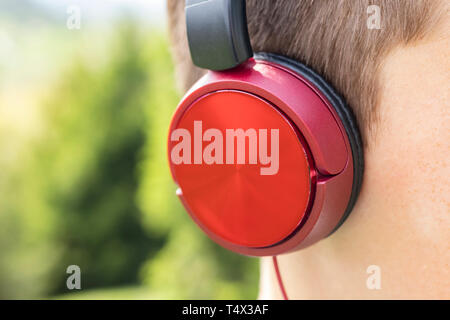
x=401, y=221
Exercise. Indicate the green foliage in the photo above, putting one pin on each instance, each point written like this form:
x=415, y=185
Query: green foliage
x=77, y=190
x=94, y=189
x=95, y=144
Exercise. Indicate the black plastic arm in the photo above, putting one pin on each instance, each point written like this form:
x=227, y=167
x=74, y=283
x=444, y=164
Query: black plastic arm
x=217, y=33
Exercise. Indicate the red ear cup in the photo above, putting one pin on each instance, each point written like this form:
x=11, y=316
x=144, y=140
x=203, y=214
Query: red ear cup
x=263, y=158
x=239, y=201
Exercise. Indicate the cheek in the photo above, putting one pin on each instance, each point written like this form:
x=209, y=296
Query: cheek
x=410, y=157
x=402, y=217
x=407, y=175
x=405, y=207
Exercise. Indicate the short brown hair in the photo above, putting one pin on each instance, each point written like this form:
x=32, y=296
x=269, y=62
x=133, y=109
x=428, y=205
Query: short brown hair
x=330, y=36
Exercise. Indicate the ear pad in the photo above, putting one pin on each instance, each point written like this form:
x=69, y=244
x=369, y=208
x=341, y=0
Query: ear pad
x=267, y=157
x=344, y=112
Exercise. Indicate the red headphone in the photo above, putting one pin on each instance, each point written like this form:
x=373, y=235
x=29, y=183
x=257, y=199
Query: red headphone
x=267, y=156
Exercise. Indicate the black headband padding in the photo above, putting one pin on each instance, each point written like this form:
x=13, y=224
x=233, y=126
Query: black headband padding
x=217, y=33
x=343, y=111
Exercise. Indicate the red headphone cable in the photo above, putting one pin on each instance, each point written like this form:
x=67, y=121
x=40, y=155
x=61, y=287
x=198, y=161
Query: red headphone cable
x=280, y=281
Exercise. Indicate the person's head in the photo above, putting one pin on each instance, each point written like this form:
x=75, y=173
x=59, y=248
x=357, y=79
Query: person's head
x=396, y=78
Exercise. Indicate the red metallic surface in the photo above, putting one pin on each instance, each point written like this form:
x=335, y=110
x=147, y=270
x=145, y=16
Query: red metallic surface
x=234, y=201
x=322, y=140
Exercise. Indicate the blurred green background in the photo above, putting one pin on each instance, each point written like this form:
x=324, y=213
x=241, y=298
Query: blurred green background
x=84, y=178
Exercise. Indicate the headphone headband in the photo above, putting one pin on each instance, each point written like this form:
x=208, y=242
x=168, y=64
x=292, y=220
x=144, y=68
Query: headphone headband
x=217, y=33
